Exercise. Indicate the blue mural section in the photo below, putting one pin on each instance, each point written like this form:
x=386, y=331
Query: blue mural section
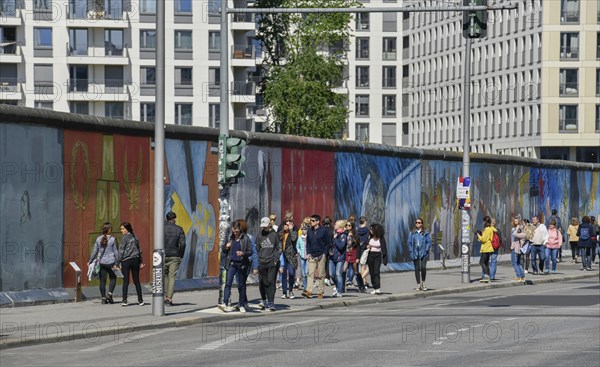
x=189, y=199
x=31, y=203
x=386, y=190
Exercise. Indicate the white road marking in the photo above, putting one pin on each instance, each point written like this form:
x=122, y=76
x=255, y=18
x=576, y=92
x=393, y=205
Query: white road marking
x=129, y=339
x=231, y=338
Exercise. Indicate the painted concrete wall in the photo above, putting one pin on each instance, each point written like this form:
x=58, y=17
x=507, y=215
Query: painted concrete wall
x=87, y=178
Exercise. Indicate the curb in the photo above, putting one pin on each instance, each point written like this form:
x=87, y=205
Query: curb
x=189, y=321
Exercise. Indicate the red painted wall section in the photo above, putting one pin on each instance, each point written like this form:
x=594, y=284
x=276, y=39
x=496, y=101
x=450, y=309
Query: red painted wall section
x=308, y=179
x=106, y=180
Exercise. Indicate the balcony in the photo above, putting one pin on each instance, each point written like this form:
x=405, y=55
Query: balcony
x=570, y=17
x=10, y=88
x=107, y=90
x=243, y=88
x=214, y=89
x=389, y=55
x=569, y=89
x=104, y=55
x=90, y=11
x=569, y=53
x=568, y=125
x=243, y=52
x=244, y=18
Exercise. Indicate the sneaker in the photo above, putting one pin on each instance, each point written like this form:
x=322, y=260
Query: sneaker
x=261, y=305
x=272, y=308
x=553, y=271
x=110, y=299
x=423, y=287
x=141, y=303
x=291, y=296
x=242, y=309
x=124, y=303
x=284, y=296
x=326, y=281
x=526, y=271
x=168, y=302
x=320, y=296
x=376, y=291
x=307, y=294
x=339, y=295
x=221, y=306
x=517, y=279
x=104, y=301
x=335, y=293
x=228, y=309
x=418, y=288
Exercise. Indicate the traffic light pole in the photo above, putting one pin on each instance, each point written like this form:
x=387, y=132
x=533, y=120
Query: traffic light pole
x=466, y=120
x=224, y=206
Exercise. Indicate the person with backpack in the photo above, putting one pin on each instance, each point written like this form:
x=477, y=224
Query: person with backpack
x=584, y=232
x=485, y=237
x=105, y=251
x=554, y=243
x=496, y=244
x=538, y=243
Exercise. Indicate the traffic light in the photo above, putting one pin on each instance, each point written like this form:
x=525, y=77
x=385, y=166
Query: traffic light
x=475, y=22
x=231, y=158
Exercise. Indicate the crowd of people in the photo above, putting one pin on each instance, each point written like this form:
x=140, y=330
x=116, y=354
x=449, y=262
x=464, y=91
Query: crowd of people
x=539, y=245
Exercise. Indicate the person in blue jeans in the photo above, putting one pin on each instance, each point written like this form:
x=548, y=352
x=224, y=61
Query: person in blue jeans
x=494, y=255
x=238, y=252
x=538, y=245
x=517, y=235
x=338, y=259
x=419, y=245
x=253, y=268
x=553, y=245
x=288, y=258
x=301, y=249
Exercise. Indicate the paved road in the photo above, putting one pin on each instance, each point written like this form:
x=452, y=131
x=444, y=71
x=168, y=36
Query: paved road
x=547, y=325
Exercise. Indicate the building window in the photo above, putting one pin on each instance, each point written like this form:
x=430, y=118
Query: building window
x=362, y=48
x=148, y=39
x=362, y=106
x=214, y=115
x=214, y=41
x=389, y=77
x=569, y=45
x=114, y=110
x=569, y=86
x=362, y=77
x=183, y=40
x=147, y=112
x=389, y=105
x=42, y=37
x=390, y=24
x=362, y=132
x=113, y=42
x=388, y=134
x=389, y=48
x=42, y=5
x=362, y=21
x=598, y=118
x=569, y=11
x=148, y=6
x=183, y=76
x=42, y=79
x=78, y=41
x=183, y=113
x=78, y=78
x=82, y=108
x=183, y=6
x=43, y=105
x=567, y=118
x=148, y=75
x=214, y=82
x=598, y=82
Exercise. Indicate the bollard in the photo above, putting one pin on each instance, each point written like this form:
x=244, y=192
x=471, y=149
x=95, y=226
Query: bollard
x=78, y=292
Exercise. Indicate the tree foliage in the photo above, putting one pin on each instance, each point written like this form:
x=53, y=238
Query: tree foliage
x=302, y=67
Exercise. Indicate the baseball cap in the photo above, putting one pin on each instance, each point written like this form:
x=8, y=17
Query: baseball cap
x=265, y=222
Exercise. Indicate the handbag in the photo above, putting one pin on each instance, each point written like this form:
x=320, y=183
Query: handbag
x=525, y=248
x=96, y=271
x=364, y=257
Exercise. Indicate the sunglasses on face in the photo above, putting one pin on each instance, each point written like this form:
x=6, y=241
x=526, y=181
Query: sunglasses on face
x=314, y=220
x=419, y=222
x=348, y=225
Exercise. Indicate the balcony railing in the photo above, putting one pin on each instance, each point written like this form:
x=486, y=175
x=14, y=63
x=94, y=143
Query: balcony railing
x=242, y=88
x=389, y=55
x=243, y=52
x=88, y=11
x=389, y=82
x=214, y=89
x=569, y=53
x=8, y=47
x=569, y=89
x=9, y=85
x=9, y=8
x=78, y=85
x=568, y=125
x=570, y=16
x=244, y=18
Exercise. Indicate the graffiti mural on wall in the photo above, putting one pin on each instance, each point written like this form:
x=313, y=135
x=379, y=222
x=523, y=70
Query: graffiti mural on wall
x=386, y=190
x=106, y=180
x=187, y=194
x=31, y=207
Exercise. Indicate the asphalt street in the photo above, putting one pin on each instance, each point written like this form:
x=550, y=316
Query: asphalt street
x=554, y=324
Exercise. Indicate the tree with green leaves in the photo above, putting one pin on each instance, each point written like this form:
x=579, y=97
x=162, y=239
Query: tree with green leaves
x=303, y=65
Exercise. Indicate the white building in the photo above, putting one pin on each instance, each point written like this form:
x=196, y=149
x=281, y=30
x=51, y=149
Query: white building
x=98, y=57
x=535, y=82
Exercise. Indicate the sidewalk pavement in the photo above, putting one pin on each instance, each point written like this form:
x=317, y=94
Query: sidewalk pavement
x=95, y=322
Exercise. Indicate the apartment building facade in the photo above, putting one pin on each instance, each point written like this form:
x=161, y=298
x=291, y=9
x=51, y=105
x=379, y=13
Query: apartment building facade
x=98, y=57
x=535, y=81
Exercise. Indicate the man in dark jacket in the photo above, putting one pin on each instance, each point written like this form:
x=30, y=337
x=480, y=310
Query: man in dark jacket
x=317, y=245
x=268, y=248
x=174, y=250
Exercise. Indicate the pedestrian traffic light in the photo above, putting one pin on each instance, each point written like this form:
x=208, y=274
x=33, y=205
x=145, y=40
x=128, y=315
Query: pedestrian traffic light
x=231, y=162
x=475, y=22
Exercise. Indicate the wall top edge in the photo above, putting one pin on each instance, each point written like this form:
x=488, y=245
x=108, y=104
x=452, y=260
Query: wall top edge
x=32, y=116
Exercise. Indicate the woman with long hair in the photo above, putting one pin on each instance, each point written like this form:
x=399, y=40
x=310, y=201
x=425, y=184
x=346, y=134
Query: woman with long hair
x=419, y=245
x=130, y=260
x=573, y=239
x=377, y=255
x=238, y=253
x=517, y=235
x=105, y=249
x=338, y=257
x=288, y=258
x=352, y=255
